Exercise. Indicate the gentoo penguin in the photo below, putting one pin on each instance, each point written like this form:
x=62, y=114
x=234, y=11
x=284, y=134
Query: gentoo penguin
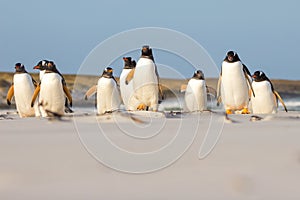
x=52, y=90
x=233, y=85
x=108, y=95
x=265, y=100
x=126, y=88
x=42, y=67
x=196, y=93
x=22, y=88
x=146, y=81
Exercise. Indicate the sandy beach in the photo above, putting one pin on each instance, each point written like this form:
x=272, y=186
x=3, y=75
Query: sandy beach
x=53, y=159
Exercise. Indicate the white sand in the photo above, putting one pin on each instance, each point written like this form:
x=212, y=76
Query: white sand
x=43, y=159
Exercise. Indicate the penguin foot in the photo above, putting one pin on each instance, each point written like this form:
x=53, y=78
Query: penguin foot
x=141, y=107
x=228, y=111
x=245, y=111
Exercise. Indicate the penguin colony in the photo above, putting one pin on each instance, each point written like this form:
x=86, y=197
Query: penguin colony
x=139, y=89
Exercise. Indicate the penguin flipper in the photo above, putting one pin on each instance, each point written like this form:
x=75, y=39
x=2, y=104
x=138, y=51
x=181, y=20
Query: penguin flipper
x=280, y=99
x=219, y=100
x=249, y=83
x=68, y=94
x=129, y=76
x=183, y=88
x=162, y=96
x=90, y=92
x=35, y=94
x=10, y=94
x=34, y=82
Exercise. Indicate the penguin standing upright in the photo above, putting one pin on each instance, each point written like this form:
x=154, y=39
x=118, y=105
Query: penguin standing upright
x=23, y=88
x=233, y=85
x=146, y=81
x=52, y=90
x=196, y=93
x=126, y=88
x=42, y=67
x=108, y=95
x=265, y=100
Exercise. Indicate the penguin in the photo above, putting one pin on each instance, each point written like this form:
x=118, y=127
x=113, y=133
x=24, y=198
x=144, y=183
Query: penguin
x=126, y=88
x=145, y=81
x=52, y=90
x=196, y=93
x=42, y=67
x=233, y=85
x=22, y=88
x=266, y=98
x=108, y=95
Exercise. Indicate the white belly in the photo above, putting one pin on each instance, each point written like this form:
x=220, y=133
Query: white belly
x=145, y=83
x=42, y=72
x=235, y=92
x=195, y=95
x=23, y=91
x=52, y=94
x=127, y=92
x=108, y=96
x=264, y=101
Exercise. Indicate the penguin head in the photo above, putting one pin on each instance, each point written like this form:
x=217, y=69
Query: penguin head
x=51, y=66
x=127, y=62
x=232, y=56
x=198, y=74
x=259, y=76
x=20, y=68
x=146, y=51
x=41, y=65
x=108, y=72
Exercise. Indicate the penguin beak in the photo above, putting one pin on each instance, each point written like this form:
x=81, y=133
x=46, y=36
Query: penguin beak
x=109, y=70
x=230, y=58
x=253, y=76
x=36, y=67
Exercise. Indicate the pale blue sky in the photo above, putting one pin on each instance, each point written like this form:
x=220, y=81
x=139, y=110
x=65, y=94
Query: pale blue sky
x=266, y=34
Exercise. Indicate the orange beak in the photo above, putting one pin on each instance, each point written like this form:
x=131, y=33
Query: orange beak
x=36, y=67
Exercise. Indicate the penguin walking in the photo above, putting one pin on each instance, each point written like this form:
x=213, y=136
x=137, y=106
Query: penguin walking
x=146, y=81
x=233, y=85
x=42, y=65
x=126, y=88
x=52, y=90
x=108, y=95
x=22, y=88
x=266, y=98
x=196, y=93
